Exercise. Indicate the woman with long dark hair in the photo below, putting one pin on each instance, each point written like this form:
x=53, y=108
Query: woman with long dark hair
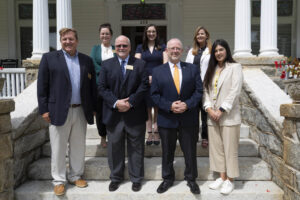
x=153, y=53
x=99, y=53
x=222, y=86
x=199, y=55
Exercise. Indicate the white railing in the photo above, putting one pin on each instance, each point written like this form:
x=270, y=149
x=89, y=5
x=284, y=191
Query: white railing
x=14, y=83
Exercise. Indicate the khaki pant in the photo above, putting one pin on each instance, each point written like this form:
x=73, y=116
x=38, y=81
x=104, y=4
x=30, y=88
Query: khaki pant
x=72, y=132
x=223, y=149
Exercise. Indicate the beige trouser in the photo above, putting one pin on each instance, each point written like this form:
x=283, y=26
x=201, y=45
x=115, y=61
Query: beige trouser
x=223, y=149
x=72, y=132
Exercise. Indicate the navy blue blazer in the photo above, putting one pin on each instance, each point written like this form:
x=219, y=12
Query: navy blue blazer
x=54, y=89
x=112, y=86
x=164, y=93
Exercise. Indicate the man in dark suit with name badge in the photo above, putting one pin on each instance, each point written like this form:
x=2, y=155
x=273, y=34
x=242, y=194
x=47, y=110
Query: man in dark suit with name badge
x=67, y=94
x=177, y=89
x=123, y=84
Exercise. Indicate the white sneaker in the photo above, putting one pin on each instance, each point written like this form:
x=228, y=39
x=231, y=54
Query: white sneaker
x=227, y=187
x=216, y=184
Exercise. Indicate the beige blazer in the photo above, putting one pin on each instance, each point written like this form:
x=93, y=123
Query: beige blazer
x=228, y=91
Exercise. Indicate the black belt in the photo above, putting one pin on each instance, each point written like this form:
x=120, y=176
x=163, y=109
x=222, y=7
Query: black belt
x=75, y=105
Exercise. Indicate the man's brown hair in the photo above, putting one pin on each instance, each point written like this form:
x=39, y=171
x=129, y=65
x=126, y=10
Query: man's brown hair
x=63, y=31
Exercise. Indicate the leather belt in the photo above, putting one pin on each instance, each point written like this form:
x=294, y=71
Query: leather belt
x=75, y=105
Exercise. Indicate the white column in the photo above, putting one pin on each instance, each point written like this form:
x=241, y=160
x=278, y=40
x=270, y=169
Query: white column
x=40, y=38
x=268, y=28
x=242, y=34
x=63, y=17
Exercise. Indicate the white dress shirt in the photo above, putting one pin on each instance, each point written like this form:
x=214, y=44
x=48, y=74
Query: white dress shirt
x=106, y=52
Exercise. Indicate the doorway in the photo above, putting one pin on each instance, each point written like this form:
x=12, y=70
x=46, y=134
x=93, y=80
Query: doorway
x=135, y=34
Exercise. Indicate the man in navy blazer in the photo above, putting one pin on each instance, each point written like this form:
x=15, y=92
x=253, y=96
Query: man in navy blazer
x=176, y=89
x=123, y=84
x=67, y=94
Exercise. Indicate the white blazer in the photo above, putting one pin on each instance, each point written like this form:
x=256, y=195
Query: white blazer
x=203, y=61
x=228, y=90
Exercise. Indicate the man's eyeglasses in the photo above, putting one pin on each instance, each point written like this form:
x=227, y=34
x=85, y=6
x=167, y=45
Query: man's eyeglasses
x=122, y=46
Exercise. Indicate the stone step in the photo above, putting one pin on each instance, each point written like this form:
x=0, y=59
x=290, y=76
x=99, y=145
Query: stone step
x=96, y=168
x=92, y=132
x=247, y=148
x=249, y=190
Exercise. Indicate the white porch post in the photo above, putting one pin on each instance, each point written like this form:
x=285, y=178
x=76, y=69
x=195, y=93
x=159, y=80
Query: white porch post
x=242, y=34
x=63, y=17
x=40, y=29
x=268, y=28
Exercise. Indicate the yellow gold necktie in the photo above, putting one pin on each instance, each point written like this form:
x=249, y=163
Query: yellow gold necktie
x=176, y=79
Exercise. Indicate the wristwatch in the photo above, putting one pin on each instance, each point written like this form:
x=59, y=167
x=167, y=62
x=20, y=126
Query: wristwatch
x=222, y=109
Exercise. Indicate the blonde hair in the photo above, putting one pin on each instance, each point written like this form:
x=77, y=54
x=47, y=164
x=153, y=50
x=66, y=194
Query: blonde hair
x=195, y=42
x=64, y=31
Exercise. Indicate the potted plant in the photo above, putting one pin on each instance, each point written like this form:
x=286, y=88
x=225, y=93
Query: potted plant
x=291, y=78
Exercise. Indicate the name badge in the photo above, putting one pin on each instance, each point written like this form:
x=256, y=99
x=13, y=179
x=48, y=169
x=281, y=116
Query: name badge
x=89, y=76
x=129, y=67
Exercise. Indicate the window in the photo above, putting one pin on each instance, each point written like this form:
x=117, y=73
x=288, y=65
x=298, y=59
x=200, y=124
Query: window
x=284, y=8
x=143, y=11
x=25, y=11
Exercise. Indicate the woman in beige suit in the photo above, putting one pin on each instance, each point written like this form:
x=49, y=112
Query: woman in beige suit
x=222, y=86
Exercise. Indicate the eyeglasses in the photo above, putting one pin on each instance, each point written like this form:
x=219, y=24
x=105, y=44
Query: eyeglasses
x=175, y=49
x=122, y=46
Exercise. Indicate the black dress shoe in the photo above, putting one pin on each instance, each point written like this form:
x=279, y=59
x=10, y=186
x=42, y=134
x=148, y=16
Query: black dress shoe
x=164, y=186
x=193, y=187
x=113, y=186
x=136, y=187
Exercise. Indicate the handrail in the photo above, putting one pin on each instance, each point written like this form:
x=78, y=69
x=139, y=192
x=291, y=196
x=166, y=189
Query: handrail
x=14, y=83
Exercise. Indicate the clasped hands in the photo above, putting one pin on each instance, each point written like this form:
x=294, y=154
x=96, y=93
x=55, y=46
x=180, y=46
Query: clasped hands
x=123, y=105
x=214, y=114
x=178, y=107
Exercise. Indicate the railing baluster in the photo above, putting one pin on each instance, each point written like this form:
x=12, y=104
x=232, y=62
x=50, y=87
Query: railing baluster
x=18, y=83
x=8, y=88
x=13, y=84
x=22, y=82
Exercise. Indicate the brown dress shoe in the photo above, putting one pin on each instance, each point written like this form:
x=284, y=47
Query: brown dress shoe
x=59, y=190
x=80, y=183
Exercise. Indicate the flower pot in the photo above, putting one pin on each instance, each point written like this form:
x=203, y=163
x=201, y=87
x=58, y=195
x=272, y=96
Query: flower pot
x=293, y=89
x=2, y=80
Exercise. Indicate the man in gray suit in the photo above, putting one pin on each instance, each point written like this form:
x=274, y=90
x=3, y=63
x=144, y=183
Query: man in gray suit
x=123, y=84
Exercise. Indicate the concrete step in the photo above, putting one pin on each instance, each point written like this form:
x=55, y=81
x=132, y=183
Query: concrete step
x=247, y=148
x=96, y=168
x=249, y=190
x=92, y=132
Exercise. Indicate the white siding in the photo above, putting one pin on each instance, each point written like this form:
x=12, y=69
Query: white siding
x=216, y=15
x=87, y=16
x=3, y=30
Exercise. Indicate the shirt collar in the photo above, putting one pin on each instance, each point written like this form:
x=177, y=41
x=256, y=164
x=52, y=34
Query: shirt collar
x=104, y=47
x=172, y=64
x=66, y=54
x=126, y=59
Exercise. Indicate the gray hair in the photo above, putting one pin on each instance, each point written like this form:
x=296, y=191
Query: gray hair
x=124, y=37
x=174, y=39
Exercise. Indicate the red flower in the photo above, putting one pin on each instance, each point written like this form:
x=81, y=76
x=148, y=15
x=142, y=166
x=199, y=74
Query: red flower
x=276, y=64
x=1, y=68
x=268, y=190
x=284, y=62
x=282, y=75
x=280, y=65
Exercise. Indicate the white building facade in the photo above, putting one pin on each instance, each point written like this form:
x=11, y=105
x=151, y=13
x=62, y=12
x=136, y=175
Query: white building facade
x=264, y=28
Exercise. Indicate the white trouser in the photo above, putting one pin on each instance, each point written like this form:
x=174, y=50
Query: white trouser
x=72, y=132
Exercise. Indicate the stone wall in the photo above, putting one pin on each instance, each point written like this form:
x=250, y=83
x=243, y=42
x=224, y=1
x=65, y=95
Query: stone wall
x=30, y=132
x=261, y=106
x=6, y=151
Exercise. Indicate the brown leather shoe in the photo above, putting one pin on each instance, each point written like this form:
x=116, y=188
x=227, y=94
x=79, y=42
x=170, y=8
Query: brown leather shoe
x=80, y=183
x=59, y=190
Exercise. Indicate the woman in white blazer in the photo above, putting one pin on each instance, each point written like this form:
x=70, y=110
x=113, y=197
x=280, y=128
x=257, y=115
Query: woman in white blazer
x=222, y=86
x=199, y=55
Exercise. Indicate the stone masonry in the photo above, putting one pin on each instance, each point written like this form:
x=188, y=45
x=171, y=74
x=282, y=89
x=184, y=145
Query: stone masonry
x=6, y=151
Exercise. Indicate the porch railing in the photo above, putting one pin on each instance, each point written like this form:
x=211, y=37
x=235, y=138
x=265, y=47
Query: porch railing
x=14, y=83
